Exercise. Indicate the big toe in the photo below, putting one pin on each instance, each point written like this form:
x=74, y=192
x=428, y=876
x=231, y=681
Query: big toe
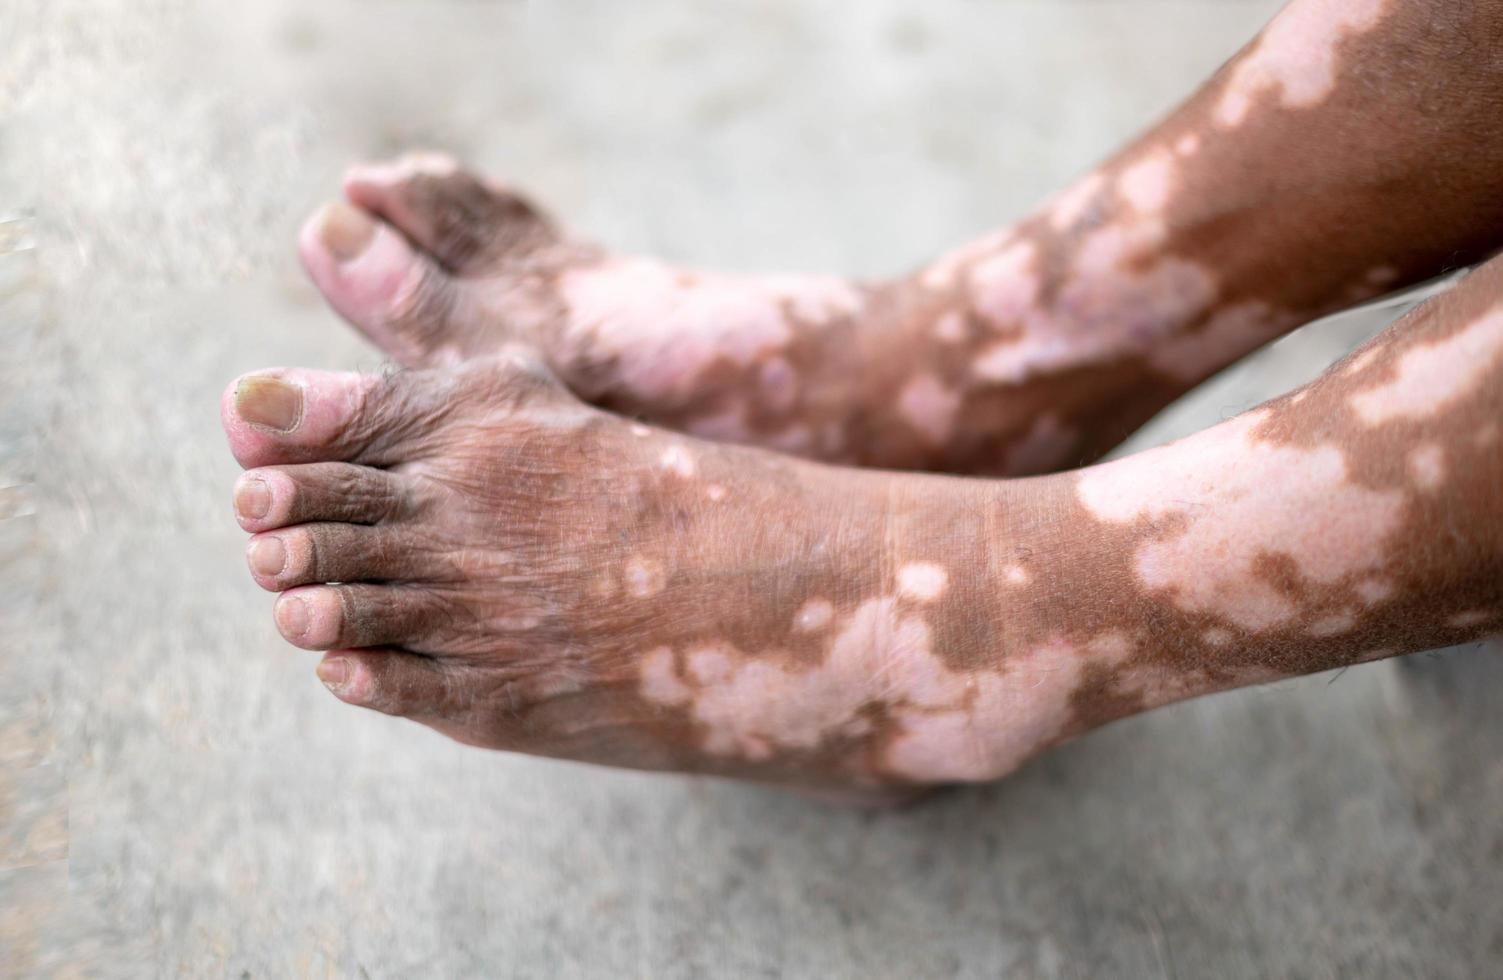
x=397, y=296
x=295, y=415
x=470, y=225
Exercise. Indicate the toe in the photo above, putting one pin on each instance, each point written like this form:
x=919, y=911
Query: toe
x=334, y=552
x=397, y=296
x=468, y=224
x=393, y=682
x=294, y=415
x=323, y=617
x=280, y=496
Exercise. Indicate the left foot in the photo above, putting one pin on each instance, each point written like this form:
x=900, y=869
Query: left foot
x=1035, y=348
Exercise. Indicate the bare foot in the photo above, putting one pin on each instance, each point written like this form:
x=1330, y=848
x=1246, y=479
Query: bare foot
x=1029, y=350
x=485, y=554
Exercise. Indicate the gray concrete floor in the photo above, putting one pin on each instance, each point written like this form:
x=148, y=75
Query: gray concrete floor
x=179, y=796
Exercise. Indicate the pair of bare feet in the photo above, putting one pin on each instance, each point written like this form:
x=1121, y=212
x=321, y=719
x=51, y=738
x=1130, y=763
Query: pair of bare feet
x=482, y=551
x=597, y=517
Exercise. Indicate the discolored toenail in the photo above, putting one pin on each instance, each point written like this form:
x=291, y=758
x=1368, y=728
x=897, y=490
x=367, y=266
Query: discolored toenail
x=334, y=673
x=346, y=231
x=267, y=556
x=269, y=402
x=292, y=614
x=253, y=500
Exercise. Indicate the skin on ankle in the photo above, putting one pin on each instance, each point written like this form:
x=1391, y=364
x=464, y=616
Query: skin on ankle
x=1299, y=180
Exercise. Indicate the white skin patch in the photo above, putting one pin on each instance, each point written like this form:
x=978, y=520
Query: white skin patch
x=1217, y=484
x=813, y=615
x=1333, y=625
x=1427, y=465
x=941, y=274
x=644, y=578
x=1187, y=145
x=929, y=407
x=715, y=492
x=1362, y=361
x=1374, y=590
x=922, y=581
x=1108, y=307
x=659, y=682
x=1295, y=58
x=1010, y=716
x=1475, y=617
x=676, y=459
x=950, y=328
x=748, y=702
x=1431, y=377
x=1071, y=204
x=663, y=328
x=1016, y=575
x=1005, y=288
x=1147, y=184
x=969, y=725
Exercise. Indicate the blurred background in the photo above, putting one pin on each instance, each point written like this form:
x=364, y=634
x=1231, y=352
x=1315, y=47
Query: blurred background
x=179, y=795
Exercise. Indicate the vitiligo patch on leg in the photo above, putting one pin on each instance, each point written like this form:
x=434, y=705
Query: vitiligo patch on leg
x=1211, y=496
x=1295, y=58
x=1429, y=377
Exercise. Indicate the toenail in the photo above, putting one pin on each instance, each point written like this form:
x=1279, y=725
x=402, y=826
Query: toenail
x=346, y=231
x=293, y=615
x=267, y=556
x=253, y=500
x=269, y=402
x=333, y=673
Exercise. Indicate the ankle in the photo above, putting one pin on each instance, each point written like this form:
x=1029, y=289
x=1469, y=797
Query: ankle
x=981, y=668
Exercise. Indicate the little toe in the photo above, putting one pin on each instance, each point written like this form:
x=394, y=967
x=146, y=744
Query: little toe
x=323, y=617
x=280, y=496
x=390, y=681
x=397, y=296
x=335, y=552
x=295, y=415
x=468, y=224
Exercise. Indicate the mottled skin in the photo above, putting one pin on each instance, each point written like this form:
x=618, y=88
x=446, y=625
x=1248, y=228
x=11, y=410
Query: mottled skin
x=1352, y=149
x=485, y=553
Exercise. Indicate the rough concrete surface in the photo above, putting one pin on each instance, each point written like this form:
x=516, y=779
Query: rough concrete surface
x=179, y=796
